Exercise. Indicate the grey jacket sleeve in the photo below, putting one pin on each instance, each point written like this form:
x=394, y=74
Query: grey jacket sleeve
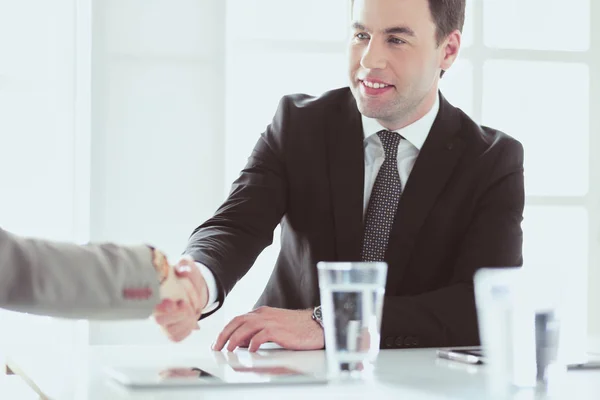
x=101, y=281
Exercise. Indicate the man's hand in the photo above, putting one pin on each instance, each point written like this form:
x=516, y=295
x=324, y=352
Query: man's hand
x=291, y=329
x=174, y=314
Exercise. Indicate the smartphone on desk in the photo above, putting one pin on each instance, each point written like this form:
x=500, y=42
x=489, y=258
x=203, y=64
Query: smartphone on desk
x=476, y=356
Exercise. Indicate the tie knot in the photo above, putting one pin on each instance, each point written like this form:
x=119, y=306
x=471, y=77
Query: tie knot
x=390, y=141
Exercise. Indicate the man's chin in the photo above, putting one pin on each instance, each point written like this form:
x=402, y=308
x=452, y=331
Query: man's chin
x=371, y=112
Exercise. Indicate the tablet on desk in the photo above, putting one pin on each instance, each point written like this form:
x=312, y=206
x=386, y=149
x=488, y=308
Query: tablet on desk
x=197, y=377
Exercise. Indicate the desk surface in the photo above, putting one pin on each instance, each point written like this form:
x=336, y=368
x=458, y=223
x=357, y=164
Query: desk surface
x=76, y=373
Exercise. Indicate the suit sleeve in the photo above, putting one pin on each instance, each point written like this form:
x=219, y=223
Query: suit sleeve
x=229, y=242
x=447, y=317
x=102, y=281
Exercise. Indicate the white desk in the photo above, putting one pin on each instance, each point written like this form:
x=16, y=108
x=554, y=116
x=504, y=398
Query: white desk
x=64, y=373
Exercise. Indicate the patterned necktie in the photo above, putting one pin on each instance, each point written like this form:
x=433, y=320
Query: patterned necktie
x=383, y=202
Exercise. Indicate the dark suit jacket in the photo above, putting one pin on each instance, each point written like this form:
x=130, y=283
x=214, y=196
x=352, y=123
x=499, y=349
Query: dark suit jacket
x=460, y=210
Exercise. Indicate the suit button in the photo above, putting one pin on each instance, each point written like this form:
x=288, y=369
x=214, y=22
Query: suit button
x=389, y=341
x=398, y=342
x=408, y=341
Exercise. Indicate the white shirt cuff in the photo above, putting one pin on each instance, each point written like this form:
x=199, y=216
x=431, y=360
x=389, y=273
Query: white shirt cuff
x=211, y=284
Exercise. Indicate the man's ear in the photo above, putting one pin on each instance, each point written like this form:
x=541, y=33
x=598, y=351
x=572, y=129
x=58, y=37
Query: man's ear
x=450, y=47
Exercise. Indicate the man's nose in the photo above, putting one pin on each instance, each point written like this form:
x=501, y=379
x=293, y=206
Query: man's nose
x=374, y=57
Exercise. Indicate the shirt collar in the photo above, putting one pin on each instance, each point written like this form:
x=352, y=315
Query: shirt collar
x=416, y=133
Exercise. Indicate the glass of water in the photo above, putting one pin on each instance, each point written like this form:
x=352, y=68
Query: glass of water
x=352, y=303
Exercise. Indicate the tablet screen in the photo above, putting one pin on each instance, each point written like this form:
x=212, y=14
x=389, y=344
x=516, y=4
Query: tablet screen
x=232, y=374
x=194, y=376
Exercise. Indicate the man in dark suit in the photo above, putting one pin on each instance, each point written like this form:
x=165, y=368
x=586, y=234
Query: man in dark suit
x=334, y=169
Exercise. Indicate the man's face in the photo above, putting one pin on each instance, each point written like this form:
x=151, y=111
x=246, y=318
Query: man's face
x=395, y=61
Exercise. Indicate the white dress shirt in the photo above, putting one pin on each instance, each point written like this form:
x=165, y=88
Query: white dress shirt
x=414, y=135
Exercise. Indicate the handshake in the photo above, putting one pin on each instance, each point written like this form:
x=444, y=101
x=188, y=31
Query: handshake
x=183, y=294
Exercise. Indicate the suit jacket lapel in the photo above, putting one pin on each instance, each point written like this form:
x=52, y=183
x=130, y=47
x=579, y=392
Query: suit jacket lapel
x=346, y=175
x=435, y=163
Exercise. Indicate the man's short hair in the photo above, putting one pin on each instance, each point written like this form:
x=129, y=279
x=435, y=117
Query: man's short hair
x=448, y=16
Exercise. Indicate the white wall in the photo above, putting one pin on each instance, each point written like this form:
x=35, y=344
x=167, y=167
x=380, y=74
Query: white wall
x=158, y=131
x=39, y=189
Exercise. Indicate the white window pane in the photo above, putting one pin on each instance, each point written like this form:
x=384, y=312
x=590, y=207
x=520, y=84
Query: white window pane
x=537, y=24
x=30, y=38
x=318, y=20
x=556, y=240
x=545, y=106
x=265, y=78
x=467, y=34
x=154, y=109
x=457, y=86
x=556, y=247
x=36, y=161
x=184, y=28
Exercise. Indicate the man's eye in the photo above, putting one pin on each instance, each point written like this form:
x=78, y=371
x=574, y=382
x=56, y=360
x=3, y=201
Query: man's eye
x=395, y=40
x=362, y=36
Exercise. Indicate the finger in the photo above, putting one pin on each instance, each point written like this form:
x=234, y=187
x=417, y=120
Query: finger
x=172, y=288
x=181, y=312
x=192, y=295
x=262, y=337
x=187, y=268
x=171, y=319
x=179, y=329
x=180, y=332
x=243, y=334
x=171, y=307
x=179, y=336
x=226, y=333
x=165, y=306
